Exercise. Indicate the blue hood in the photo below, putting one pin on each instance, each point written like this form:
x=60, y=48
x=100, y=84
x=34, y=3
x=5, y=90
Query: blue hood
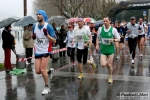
x=43, y=13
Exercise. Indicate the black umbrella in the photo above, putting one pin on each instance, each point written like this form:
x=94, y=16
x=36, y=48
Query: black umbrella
x=8, y=21
x=25, y=21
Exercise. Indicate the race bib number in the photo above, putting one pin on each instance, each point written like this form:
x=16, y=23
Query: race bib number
x=79, y=38
x=105, y=41
x=40, y=41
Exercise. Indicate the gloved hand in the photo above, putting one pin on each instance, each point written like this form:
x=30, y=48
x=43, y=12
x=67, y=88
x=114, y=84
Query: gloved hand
x=45, y=32
x=34, y=36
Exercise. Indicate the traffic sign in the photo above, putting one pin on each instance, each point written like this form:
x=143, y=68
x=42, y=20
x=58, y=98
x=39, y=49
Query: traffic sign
x=144, y=13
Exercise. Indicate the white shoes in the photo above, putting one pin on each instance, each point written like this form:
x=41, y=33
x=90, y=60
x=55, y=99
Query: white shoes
x=91, y=58
x=141, y=55
x=46, y=90
x=50, y=73
x=118, y=57
x=132, y=61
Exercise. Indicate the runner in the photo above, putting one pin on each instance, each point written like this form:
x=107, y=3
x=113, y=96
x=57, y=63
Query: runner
x=132, y=30
x=117, y=44
x=83, y=39
x=123, y=32
x=70, y=48
x=93, y=30
x=94, y=37
x=43, y=34
x=141, y=37
x=126, y=36
x=107, y=35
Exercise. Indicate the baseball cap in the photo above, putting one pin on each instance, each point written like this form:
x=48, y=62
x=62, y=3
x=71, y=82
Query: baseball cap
x=132, y=18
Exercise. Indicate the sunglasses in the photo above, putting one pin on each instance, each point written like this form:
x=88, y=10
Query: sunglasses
x=38, y=14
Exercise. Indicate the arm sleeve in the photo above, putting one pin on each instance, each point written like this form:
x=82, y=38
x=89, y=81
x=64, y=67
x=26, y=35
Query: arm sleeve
x=51, y=31
x=116, y=34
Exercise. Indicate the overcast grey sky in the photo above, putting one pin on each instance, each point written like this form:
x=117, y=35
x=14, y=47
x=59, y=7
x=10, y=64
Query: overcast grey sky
x=14, y=8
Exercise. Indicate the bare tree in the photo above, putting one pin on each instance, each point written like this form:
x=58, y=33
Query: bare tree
x=46, y=5
x=96, y=9
x=70, y=8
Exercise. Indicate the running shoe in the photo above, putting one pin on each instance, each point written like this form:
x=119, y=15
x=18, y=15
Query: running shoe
x=132, y=61
x=141, y=55
x=93, y=64
x=80, y=76
x=50, y=71
x=118, y=57
x=110, y=80
x=91, y=58
x=46, y=90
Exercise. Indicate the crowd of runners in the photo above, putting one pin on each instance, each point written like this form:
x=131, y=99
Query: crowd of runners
x=88, y=39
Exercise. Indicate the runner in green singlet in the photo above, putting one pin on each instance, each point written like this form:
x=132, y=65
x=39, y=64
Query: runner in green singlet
x=107, y=35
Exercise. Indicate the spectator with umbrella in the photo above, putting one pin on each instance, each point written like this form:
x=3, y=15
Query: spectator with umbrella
x=8, y=41
x=28, y=42
x=7, y=45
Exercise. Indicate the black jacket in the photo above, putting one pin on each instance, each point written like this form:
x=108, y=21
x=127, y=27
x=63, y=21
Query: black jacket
x=62, y=35
x=8, y=39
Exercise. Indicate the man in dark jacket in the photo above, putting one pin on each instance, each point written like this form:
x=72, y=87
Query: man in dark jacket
x=62, y=36
x=8, y=42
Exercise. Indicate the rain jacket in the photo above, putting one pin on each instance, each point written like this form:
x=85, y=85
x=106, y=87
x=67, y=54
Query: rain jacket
x=62, y=35
x=8, y=40
x=28, y=42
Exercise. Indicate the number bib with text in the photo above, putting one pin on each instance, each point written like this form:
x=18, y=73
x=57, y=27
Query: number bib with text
x=106, y=41
x=79, y=38
x=40, y=41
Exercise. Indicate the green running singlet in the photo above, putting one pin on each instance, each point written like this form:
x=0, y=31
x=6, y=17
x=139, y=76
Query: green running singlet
x=106, y=47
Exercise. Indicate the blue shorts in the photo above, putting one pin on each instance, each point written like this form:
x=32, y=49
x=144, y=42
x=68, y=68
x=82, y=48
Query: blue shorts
x=42, y=55
x=126, y=39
